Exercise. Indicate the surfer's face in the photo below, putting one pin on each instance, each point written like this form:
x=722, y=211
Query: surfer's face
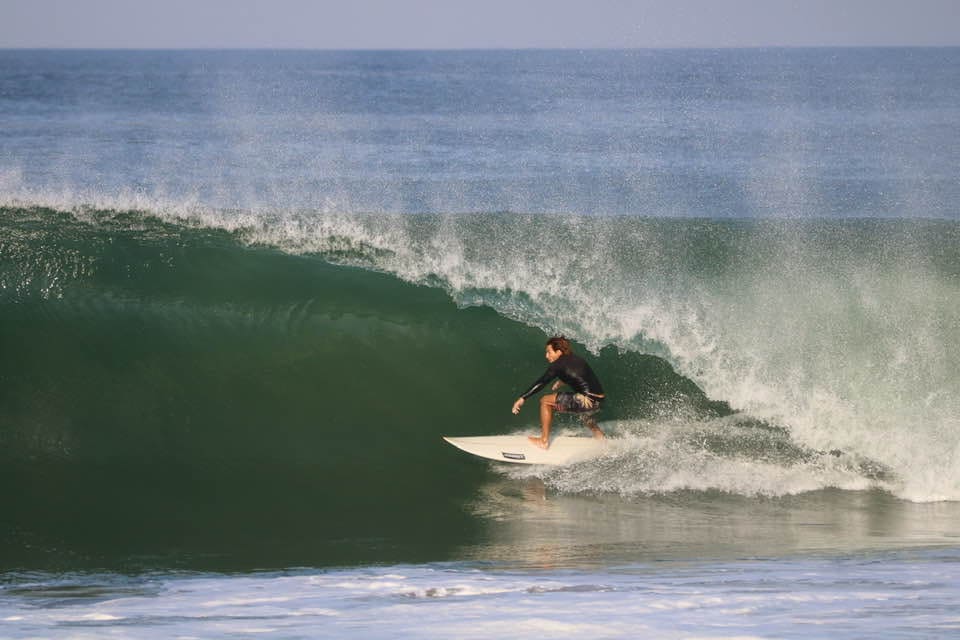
x=552, y=355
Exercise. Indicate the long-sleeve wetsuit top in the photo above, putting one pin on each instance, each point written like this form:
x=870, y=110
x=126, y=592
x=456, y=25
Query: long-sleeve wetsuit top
x=572, y=370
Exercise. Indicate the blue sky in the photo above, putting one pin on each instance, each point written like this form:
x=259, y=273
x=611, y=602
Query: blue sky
x=460, y=24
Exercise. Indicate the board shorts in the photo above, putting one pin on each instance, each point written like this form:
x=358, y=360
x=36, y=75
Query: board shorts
x=579, y=403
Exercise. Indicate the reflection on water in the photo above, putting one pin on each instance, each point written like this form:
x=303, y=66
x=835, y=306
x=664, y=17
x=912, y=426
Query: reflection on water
x=530, y=525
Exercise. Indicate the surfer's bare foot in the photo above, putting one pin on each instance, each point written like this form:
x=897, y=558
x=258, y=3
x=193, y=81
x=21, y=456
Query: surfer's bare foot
x=540, y=442
x=599, y=435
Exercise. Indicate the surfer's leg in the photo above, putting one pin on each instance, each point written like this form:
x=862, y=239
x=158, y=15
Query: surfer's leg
x=547, y=405
x=591, y=424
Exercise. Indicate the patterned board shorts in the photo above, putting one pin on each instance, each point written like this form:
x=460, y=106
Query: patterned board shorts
x=570, y=402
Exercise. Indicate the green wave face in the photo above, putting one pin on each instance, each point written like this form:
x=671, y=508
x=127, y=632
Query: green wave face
x=169, y=387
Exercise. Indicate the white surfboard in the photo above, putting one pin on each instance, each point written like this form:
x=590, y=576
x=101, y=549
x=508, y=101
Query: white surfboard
x=519, y=449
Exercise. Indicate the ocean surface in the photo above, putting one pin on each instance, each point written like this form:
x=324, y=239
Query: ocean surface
x=243, y=294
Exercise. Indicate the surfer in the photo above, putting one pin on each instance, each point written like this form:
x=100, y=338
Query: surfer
x=585, y=400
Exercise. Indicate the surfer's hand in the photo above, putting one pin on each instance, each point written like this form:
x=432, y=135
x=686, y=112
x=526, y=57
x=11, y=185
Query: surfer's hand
x=517, y=405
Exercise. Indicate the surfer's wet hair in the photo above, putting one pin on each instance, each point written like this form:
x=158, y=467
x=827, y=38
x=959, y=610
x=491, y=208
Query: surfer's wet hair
x=561, y=344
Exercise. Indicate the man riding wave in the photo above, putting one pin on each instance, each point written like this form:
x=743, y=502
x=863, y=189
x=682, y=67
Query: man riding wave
x=587, y=396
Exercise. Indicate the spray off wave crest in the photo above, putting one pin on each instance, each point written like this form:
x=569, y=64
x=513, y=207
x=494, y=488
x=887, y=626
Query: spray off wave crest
x=842, y=333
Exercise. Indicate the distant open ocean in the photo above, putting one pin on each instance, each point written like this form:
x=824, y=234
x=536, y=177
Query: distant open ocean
x=243, y=294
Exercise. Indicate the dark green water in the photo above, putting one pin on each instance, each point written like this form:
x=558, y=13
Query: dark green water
x=173, y=397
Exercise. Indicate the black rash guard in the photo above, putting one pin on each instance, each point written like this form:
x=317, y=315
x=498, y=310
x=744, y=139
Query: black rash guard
x=572, y=370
